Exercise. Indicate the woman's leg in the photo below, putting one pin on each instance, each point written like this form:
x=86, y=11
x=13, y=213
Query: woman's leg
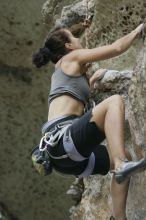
x=109, y=116
x=119, y=193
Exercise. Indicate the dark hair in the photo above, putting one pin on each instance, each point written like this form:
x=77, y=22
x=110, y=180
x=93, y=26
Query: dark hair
x=53, y=49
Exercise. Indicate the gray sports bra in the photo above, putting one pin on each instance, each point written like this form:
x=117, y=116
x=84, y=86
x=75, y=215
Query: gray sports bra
x=75, y=86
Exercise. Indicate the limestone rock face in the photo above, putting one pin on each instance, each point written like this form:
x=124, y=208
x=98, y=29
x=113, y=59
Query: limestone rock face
x=23, y=194
x=96, y=200
x=114, y=81
x=52, y=10
x=111, y=20
x=137, y=122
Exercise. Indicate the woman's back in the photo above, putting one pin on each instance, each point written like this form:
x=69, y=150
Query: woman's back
x=65, y=105
x=68, y=104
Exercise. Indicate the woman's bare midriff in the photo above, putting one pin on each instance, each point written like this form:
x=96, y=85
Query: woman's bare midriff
x=65, y=105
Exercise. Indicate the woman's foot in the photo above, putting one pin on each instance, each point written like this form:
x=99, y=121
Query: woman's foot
x=128, y=168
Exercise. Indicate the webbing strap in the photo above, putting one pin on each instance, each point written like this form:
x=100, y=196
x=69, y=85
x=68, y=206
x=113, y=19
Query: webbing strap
x=89, y=169
x=73, y=154
x=70, y=148
x=58, y=121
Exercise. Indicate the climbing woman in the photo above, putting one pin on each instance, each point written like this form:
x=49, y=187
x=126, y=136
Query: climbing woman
x=72, y=136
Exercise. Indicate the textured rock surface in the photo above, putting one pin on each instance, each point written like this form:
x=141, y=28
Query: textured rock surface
x=23, y=109
x=74, y=13
x=52, y=9
x=114, y=81
x=96, y=200
x=137, y=121
x=111, y=20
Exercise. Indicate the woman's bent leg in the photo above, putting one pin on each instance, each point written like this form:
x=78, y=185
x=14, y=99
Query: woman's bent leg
x=109, y=116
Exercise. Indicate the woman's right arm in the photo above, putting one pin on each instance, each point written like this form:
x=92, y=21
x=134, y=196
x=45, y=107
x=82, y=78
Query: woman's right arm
x=83, y=56
x=98, y=75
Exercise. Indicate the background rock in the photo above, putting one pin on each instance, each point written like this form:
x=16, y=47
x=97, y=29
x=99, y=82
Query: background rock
x=23, y=109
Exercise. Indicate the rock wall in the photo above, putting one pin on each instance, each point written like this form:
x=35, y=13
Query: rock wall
x=96, y=201
x=23, y=194
x=137, y=122
x=111, y=20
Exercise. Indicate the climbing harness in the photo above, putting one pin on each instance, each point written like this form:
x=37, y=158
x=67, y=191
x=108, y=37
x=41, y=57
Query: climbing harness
x=51, y=139
x=42, y=158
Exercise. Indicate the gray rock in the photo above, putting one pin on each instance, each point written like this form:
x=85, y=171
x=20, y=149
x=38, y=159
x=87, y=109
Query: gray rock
x=117, y=81
x=75, y=13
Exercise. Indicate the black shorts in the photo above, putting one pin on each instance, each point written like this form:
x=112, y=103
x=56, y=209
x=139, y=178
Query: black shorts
x=87, y=138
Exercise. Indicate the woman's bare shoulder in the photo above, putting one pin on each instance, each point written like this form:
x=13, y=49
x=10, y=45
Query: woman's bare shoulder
x=69, y=65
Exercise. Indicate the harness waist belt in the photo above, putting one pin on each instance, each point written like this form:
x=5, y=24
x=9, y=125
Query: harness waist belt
x=90, y=166
x=61, y=120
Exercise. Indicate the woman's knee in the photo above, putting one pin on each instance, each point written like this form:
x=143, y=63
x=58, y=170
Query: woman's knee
x=117, y=100
x=100, y=110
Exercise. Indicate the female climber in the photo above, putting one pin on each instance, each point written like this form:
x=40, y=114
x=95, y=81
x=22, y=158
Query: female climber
x=75, y=134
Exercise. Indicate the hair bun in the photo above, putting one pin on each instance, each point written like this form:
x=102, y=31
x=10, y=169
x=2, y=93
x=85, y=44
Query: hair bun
x=41, y=57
